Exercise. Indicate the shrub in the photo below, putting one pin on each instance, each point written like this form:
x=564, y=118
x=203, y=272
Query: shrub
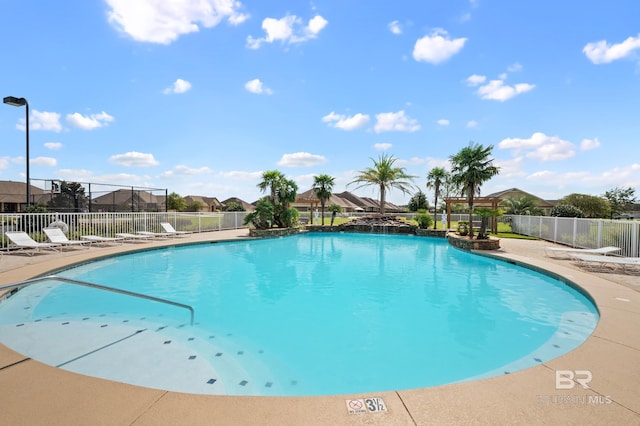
x=566, y=210
x=233, y=206
x=289, y=217
x=262, y=216
x=424, y=220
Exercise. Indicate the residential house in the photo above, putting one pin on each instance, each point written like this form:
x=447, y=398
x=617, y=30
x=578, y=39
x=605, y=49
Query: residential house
x=247, y=206
x=13, y=196
x=544, y=205
x=209, y=204
x=347, y=200
x=128, y=200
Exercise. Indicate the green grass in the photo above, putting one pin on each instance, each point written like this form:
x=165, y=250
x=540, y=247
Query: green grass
x=504, y=229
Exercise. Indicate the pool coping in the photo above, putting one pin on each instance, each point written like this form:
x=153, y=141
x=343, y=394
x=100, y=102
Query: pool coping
x=41, y=394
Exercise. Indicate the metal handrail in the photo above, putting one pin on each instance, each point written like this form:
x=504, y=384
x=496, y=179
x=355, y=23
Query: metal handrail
x=97, y=286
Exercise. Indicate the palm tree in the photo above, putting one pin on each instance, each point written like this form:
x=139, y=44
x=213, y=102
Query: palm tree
x=435, y=179
x=271, y=179
x=385, y=176
x=322, y=186
x=282, y=192
x=522, y=205
x=471, y=167
x=334, y=209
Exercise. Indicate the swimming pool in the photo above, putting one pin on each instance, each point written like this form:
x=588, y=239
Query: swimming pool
x=312, y=314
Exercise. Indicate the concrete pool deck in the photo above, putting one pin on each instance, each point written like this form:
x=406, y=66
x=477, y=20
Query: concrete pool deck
x=32, y=393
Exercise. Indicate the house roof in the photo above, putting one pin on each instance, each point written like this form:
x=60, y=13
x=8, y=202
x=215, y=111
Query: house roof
x=358, y=201
x=120, y=196
x=387, y=205
x=310, y=195
x=16, y=192
x=247, y=206
x=517, y=191
x=207, y=201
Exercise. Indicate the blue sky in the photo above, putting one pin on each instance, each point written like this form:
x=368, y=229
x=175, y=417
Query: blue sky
x=202, y=96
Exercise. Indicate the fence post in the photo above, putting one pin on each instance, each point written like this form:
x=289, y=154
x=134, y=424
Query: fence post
x=634, y=239
x=599, y=243
x=575, y=232
x=540, y=227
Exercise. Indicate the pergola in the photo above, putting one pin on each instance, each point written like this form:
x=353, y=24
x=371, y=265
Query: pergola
x=312, y=201
x=490, y=202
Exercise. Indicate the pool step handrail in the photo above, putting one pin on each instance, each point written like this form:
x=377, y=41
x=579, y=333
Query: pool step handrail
x=28, y=282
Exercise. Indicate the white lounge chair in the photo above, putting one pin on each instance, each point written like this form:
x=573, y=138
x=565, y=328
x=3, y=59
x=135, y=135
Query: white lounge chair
x=168, y=228
x=96, y=239
x=569, y=251
x=156, y=234
x=134, y=237
x=56, y=236
x=597, y=263
x=21, y=240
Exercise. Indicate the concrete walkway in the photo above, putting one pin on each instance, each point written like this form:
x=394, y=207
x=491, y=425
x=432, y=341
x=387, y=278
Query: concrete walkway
x=32, y=393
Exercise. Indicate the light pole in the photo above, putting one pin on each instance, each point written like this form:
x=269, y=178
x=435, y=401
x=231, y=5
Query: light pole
x=11, y=100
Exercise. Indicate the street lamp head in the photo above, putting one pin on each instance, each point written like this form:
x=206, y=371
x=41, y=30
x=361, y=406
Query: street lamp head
x=12, y=100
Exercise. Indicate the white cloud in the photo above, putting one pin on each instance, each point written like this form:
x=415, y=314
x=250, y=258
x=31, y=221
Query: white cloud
x=90, y=122
x=43, y=161
x=257, y=87
x=382, y=146
x=301, y=159
x=496, y=90
x=541, y=147
x=587, y=181
x=134, y=159
x=160, y=21
x=514, y=67
x=4, y=163
x=41, y=121
x=182, y=170
x=601, y=52
x=316, y=24
x=511, y=168
x=288, y=29
x=437, y=47
x=476, y=79
x=588, y=144
x=395, y=27
x=395, y=122
x=343, y=122
x=71, y=173
x=443, y=122
x=241, y=175
x=178, y=86
x=125, y=179
x=472, y=124
x=53, y=146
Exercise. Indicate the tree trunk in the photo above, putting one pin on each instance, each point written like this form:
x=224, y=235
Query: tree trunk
x=322, y=211
x=382, y=200
x=435, y=211
x=471, y=216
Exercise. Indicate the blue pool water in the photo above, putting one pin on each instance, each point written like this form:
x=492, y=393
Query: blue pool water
x=312, y=314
